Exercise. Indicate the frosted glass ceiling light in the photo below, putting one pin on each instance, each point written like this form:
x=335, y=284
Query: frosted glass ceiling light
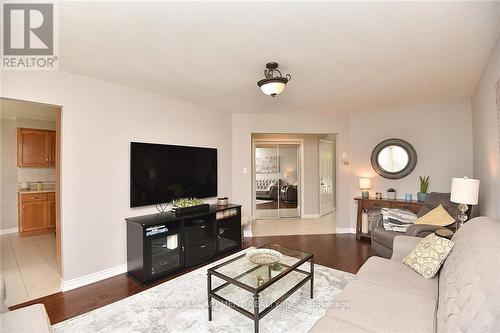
x=274, y=83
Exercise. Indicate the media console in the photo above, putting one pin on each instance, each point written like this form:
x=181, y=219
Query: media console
x=160, y=244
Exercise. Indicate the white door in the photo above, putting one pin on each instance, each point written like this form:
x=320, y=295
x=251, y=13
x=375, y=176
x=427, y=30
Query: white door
x=326, y=174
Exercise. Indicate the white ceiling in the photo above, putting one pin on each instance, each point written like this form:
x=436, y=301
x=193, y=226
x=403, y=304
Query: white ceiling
x=343, y=56
x=11, y=109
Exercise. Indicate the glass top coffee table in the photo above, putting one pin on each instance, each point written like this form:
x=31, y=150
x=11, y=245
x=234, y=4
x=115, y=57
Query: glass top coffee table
x=249, y=287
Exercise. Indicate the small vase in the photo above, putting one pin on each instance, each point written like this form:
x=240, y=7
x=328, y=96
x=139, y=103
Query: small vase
x=421, y=196
x=391, y=195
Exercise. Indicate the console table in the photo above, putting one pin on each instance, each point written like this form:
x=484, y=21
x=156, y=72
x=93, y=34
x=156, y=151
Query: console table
x=373, y=203
x=160, y=244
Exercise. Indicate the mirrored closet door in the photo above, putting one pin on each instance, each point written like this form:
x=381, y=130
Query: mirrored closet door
x=277, y=179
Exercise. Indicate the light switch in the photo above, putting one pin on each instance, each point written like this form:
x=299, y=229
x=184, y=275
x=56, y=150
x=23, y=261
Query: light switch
x=245, y=171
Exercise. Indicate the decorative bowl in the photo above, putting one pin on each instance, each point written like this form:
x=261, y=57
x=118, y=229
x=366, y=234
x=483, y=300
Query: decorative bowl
x=264, y=256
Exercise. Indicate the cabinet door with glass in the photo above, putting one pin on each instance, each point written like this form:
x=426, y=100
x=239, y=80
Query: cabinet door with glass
x=164, y=250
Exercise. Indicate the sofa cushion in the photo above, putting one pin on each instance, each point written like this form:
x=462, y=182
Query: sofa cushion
x=438, y=216
x=30, y=319
x=385, y=237
x=332, y=324
x=382, y=309
x=265, y=184
x=395, y=274
x=469, y=283
x=435, y=199
x=429, y=255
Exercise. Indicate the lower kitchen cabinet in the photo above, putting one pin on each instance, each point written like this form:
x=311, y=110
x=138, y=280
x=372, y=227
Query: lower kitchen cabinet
x=36, y=213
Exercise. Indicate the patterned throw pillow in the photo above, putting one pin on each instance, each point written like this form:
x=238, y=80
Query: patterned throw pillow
x=429, y=255
x=437, y=216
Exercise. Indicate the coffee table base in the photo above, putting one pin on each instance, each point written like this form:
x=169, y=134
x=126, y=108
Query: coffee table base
x=257, y=314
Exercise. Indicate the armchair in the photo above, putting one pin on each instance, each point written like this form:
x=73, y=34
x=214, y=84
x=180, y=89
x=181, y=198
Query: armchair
x=382, y=240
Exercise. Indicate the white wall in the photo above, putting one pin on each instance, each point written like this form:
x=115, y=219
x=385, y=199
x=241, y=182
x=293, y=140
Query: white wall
x=99, y=119
x=441, y=134
x=244, y=124
x=486, y=129
x=11, y=175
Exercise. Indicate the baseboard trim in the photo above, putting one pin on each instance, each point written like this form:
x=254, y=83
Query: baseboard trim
x=94, y=277
x=310, y=216
x=8, y=231
x=346, y=230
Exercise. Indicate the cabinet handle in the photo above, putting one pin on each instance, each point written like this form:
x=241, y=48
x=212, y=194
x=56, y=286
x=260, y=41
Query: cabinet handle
x=32, y=198
x=203, y=246
x=203, y=226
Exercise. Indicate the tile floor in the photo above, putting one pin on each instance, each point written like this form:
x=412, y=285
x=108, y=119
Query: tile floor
x=28, y=265
x=295, y=226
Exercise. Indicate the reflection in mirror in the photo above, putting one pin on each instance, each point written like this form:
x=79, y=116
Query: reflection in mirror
x=393, y=158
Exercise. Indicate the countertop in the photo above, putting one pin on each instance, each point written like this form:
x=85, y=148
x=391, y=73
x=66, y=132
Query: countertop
x=35, y=191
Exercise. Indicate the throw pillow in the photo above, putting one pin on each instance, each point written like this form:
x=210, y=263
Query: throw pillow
x=438, y=216
x=429, y=255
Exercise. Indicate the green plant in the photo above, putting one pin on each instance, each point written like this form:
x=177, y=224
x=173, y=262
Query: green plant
x=424, y=184
x=391, y=190
x=187, y=202
x=276, y=267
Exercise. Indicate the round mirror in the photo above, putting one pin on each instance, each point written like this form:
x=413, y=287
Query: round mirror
x=394, y=158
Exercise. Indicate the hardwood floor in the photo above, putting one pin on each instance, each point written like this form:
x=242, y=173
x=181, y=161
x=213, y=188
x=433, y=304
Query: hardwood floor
x=340, y=251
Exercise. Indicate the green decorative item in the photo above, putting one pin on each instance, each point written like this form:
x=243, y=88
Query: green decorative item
x=189, y=205
x=187, y=202
x=276, y=267
x=424, y=186
x=391, y=194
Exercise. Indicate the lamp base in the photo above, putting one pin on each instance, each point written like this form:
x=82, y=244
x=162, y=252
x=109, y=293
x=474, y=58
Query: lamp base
x=462, y=217
x=365, y=194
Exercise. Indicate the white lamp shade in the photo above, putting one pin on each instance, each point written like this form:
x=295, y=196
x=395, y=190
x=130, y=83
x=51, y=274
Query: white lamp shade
x=464, y=191
x=272, y=88
x=365, y=183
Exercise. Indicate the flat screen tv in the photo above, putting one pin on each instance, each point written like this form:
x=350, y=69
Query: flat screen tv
x=161, y=173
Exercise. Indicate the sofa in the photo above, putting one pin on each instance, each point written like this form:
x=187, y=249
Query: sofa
x=388, y=296
x=382, y=240
x=30, y=319
x=267, y=189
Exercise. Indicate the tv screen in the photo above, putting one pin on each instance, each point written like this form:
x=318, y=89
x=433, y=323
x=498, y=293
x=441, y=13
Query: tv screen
x=161, y=173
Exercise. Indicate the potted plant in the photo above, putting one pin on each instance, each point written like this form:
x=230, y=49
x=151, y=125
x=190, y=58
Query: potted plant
x=424, y=185
x=188, y=205
x=391, y=194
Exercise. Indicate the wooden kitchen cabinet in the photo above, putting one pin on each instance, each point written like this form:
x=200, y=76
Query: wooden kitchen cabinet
x=36, y=148
x=51, y=148
x=37, y=213
x=51, y=203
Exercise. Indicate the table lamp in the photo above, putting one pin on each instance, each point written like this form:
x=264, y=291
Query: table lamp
x=365, y=184
x=464, y=191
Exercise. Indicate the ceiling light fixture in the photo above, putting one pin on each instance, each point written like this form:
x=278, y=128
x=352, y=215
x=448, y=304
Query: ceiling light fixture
x=274, y=83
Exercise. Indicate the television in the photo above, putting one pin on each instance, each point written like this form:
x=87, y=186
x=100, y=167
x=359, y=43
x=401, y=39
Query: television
x=160, y=173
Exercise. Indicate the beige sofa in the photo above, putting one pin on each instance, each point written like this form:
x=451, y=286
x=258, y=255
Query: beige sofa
x=387, y=296
x=30, y=319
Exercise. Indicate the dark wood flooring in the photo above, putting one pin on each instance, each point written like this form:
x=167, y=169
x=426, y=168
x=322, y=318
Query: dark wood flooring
x=341, y=252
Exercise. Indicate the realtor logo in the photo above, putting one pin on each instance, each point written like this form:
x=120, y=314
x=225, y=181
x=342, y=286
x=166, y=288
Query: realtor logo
x=28, y=36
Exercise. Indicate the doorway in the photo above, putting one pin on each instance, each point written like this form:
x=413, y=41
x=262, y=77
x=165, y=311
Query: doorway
x=327, y=176
x=30, y=235
x=277, y=179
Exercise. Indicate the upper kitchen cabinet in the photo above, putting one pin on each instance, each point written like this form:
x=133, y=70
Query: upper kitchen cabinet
x=36, y=148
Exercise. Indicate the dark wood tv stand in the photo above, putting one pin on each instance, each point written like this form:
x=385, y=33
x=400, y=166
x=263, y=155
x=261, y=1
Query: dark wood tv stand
x=160, y=244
